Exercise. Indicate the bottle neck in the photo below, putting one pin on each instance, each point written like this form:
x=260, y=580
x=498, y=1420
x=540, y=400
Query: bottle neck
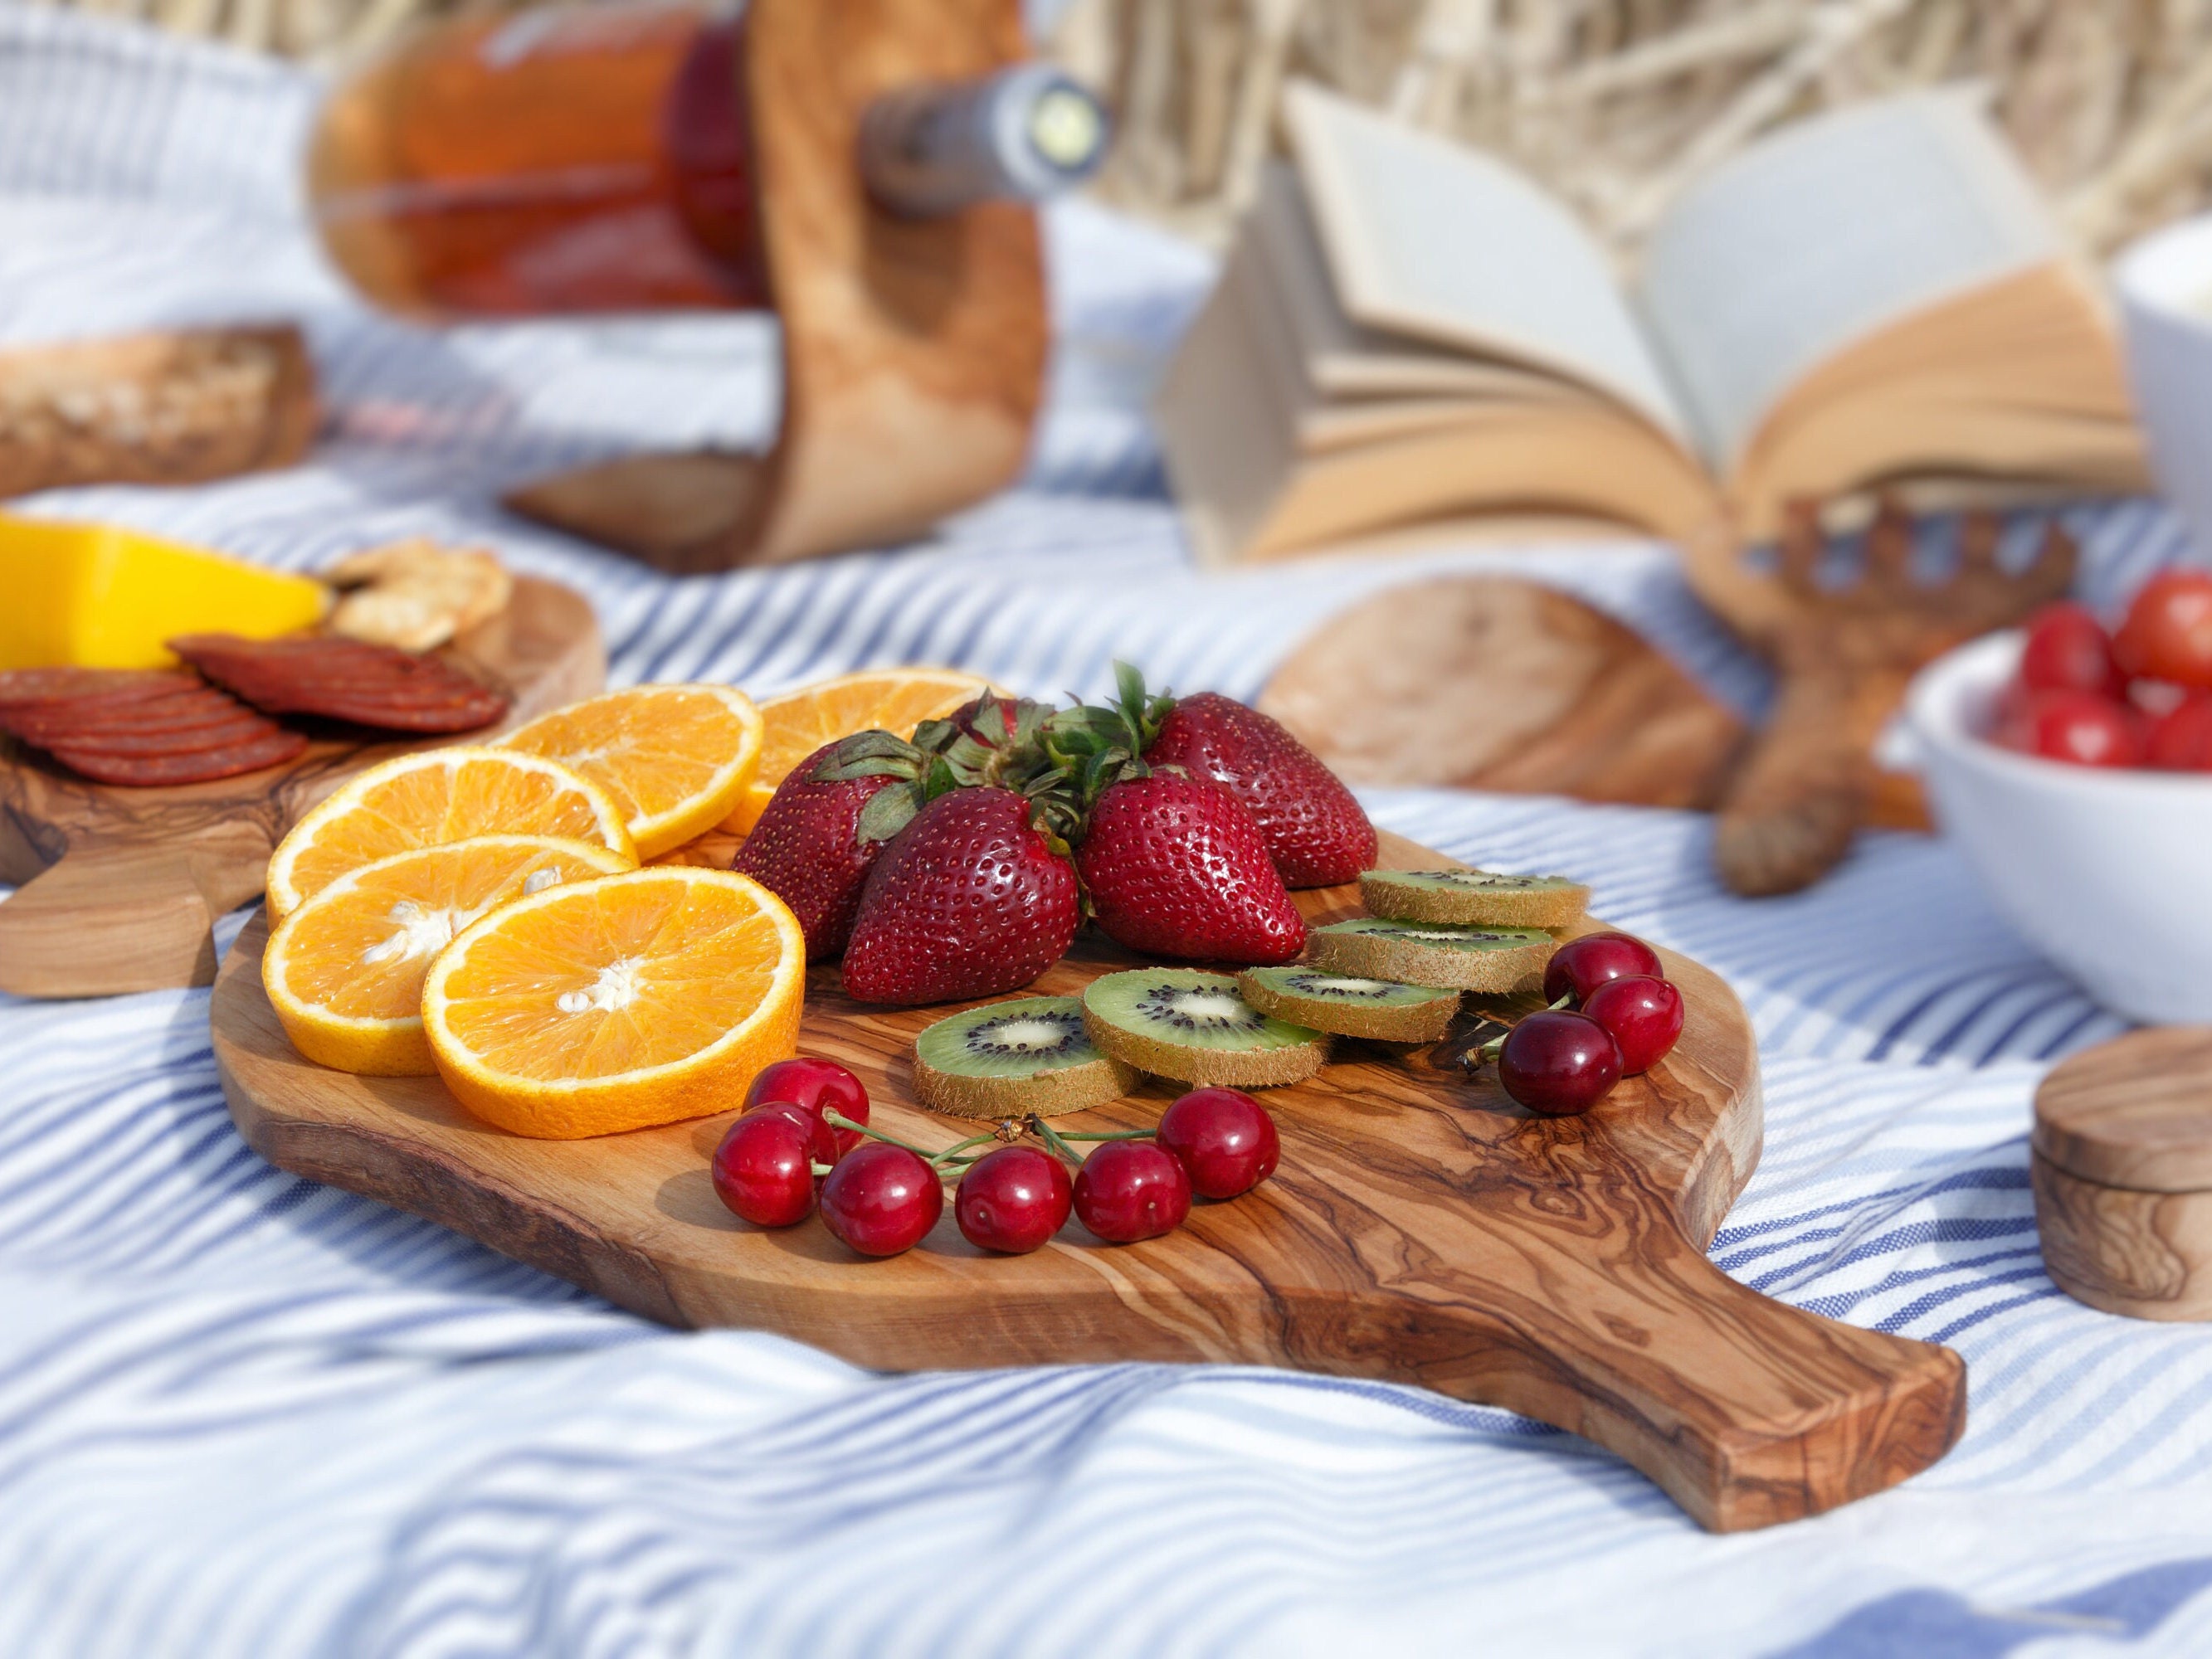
x=1023, y=134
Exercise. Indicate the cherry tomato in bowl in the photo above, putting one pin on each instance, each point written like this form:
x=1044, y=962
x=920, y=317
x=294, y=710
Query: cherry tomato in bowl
x=2167, y=635
x=2068, y=650
x=2078, y=727
x=2180, y=740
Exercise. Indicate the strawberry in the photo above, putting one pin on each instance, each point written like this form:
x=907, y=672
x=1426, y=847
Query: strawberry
x=1315, y=830
x=1176, y=866
x=970, y=899
x=821, y=833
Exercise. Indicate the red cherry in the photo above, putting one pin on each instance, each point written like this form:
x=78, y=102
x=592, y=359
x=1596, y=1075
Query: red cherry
x=2181, y=739
x=1580, y=965
x=815, y=1085
x=2167, y=635
x=1013, y=1198
x=2075, y=727
x=881, y=1198
x=2068, y=650
x=1131, y=1190
x=1644, y=1015
x=821, y=1139
x=1558, y=1063
x=1223, y=1139
x=764, y=1167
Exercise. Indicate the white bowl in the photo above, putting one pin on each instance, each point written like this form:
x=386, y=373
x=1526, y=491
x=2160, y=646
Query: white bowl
x=2165, y=286
x=2106, y=873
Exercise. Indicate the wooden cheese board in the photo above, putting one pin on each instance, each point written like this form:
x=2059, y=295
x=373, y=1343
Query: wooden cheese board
x=121, y=888
x=1421, y=1229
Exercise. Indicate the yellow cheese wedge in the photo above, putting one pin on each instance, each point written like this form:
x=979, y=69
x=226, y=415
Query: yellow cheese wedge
x=97, y=596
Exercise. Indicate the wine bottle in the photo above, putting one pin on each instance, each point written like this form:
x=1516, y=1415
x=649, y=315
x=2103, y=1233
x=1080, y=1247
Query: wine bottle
x=600, y=159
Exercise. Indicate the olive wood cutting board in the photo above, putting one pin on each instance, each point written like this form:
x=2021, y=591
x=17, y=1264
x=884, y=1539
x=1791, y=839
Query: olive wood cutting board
x=121, y=888
x=1421, y=1229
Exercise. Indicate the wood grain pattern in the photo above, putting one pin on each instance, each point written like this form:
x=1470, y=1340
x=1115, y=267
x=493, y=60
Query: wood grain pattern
x=1846, y=655
x=2144, y=1254
x=122, y=887
x=2133, y=1112
x=1421, y=1229
x=913, y=348
x=1489, y=683
x=158, y=408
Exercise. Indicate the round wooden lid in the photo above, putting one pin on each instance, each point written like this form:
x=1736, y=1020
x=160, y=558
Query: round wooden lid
x=2134, y=1112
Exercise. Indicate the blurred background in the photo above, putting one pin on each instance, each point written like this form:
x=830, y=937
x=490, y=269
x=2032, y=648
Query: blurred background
x=1612, y=103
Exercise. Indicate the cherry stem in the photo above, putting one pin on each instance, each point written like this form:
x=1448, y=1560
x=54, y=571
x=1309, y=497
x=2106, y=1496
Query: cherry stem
x=939, y=1160
x=952, y=1156
x=1051, y=1137
x=1489, y=1050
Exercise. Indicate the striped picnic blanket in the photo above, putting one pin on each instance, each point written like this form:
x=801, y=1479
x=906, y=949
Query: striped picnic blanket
x=244, y=1415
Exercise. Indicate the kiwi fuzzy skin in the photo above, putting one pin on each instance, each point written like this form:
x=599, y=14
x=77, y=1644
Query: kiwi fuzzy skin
x=1386, y=894
x=1380, y=956
x=1048, y=1094
x=1425, y=1022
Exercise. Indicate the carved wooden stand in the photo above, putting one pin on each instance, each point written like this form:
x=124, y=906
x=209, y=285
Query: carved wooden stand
x=913, y=348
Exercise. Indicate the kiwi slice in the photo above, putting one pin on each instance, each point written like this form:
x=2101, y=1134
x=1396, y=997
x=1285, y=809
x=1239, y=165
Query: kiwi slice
x=1473, y=898
x=1194, y=1027
x=1491, y=959
x=1378, y=1009
x=1015, y=1059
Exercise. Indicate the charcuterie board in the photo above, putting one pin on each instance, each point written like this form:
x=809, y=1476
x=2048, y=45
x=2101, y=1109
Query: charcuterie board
x=1421, y=1229
x=121, y=888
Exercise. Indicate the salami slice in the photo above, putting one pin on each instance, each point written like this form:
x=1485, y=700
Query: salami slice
x=40, y=688
x=202, y=766
x=344, y=680
x=155, y=714
x=230, y=734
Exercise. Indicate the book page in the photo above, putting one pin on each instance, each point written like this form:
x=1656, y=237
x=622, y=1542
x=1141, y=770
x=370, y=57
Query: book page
x=1336, y=357
x=1428, y=237
x=1823, y=235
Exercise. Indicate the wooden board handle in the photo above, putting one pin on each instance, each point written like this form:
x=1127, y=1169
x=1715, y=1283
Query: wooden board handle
x=1747, y=1411
x=110, y=919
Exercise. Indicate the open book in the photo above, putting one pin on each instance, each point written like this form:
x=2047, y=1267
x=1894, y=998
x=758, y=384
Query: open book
x=1409, y=331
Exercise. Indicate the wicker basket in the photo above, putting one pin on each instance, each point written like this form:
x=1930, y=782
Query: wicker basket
x=1613, y=103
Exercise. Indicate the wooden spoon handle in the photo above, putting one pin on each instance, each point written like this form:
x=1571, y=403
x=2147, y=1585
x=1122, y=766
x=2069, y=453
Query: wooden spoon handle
x=1806, y=784
x=105, y=920
x=1747, y=1411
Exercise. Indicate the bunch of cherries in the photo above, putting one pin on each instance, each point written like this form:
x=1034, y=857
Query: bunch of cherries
x=1565, y=1060
x=804, y=1141
x=2140, y=695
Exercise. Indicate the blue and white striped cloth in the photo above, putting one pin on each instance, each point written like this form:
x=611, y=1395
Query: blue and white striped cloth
x=244, y=1415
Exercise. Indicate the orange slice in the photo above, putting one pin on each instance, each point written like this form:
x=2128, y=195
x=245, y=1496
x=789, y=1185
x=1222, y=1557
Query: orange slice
x=799, y=722
x=617, y=1003
x=675, y=758
x=437, y=796
x=344, y=971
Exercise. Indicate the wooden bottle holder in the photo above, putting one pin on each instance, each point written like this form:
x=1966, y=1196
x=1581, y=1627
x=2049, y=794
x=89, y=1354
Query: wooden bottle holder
x=913, y=348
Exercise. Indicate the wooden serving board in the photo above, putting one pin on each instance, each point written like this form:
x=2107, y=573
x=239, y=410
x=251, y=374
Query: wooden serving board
x=1421, y=1229
x=121, y=888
